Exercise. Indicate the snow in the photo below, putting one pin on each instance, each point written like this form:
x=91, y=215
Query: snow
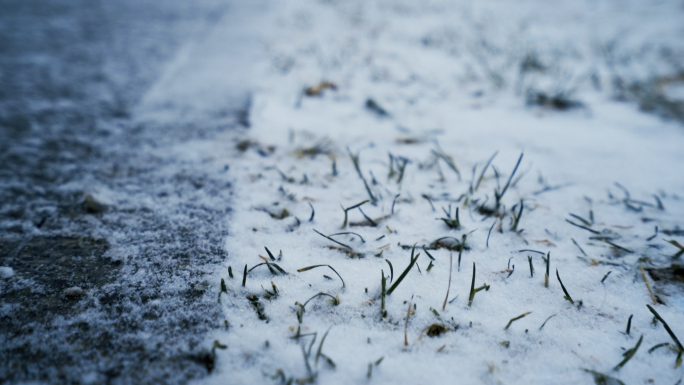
x=6, y=272
x=448, y=75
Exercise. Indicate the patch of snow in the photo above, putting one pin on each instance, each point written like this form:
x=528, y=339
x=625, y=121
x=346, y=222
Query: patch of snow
x=6, y=272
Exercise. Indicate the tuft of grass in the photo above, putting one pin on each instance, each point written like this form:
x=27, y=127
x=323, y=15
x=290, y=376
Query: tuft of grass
x=436, y=330
x=452, y=223
x=516, y=218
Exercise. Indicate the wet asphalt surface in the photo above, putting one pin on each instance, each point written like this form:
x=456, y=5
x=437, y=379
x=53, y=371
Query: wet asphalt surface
x=113, y=293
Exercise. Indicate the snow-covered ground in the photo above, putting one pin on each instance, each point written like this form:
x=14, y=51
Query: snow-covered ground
x=460, y=136
x=422, y=95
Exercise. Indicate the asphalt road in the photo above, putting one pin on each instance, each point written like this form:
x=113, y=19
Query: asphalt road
x=104, y=291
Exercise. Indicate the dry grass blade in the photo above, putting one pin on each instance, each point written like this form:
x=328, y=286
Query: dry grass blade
x=648, y=285
x=515, y=319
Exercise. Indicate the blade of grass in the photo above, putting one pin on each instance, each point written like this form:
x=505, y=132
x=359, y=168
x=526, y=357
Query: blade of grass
x=451, y=265
x=501, y=194
x=567, y=295
x=401, y=277
x=391, y=270
x=667, y=327
x=515, y=319
x=629, y=354
x=477, y=185
x=320, y=347
x=325, y=236
x=315, y=266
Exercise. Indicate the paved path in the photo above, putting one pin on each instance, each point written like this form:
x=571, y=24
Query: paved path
x=109, y=230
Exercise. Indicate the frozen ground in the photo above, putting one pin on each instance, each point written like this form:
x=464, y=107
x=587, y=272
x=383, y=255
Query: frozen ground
x=133, y=189
x=419, y=87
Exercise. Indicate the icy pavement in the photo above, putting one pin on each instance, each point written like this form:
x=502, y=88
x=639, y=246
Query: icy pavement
x=385, y=233
x=109, y=222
